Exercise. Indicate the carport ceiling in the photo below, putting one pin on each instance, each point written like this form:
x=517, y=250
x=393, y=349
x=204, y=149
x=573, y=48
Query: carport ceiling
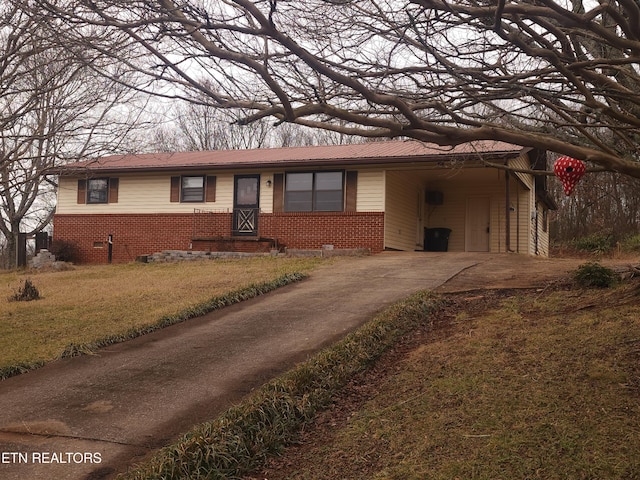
x=465, y=175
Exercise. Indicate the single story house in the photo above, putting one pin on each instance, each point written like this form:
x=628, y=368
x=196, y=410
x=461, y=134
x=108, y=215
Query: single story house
x=395, y=195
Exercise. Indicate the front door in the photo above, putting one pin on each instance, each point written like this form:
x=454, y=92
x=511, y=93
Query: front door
x=478, y=224
x=246, y=204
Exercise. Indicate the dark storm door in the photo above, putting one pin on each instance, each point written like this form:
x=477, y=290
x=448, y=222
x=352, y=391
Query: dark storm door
x=246, y=204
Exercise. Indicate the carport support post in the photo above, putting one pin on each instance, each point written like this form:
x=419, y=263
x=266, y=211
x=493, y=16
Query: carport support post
x=507, y=212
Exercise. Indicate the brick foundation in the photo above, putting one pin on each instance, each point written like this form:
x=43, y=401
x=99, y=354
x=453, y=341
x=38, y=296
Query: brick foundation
x=138, y=234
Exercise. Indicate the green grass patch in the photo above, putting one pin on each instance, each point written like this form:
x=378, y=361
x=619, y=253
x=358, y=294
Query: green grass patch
x=91, y=306
x=242, y=438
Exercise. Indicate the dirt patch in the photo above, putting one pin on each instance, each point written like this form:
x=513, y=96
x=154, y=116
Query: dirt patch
x=520, y=271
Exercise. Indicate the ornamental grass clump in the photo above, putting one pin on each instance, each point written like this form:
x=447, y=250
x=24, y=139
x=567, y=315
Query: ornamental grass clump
x=26, y=293
x=594, y=275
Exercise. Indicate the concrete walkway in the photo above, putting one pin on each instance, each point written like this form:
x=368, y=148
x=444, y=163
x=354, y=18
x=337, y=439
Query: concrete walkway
x=90, y=417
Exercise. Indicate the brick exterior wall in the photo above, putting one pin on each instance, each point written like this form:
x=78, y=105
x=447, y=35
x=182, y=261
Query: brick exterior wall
x=144, y=234
x=313, y=230
x=133, y=234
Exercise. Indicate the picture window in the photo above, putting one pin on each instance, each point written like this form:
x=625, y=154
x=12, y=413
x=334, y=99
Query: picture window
x=314, y=192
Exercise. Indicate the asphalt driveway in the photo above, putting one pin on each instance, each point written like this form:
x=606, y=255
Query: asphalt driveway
x=90, y=417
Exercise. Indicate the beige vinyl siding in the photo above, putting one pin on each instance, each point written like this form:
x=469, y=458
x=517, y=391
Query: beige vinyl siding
x=149, y=193
x=539, y=241
x=521, y=219
x=520, y=208
x=401, y=210
x=144, y=194
x=405, y=190
x=543, y=233
x=457, y=191
x=519, y=211
x=522, y=163
x=370, y=197
x=451, y=214
x=266, y=192
x=476, y=184
x=523, y=196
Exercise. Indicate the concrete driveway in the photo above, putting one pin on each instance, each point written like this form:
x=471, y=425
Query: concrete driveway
x=90, y=417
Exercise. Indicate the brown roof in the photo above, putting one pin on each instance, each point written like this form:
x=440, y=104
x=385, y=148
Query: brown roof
x=354, y=154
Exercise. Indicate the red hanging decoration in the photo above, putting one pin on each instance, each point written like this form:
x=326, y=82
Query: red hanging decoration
x=569, y=171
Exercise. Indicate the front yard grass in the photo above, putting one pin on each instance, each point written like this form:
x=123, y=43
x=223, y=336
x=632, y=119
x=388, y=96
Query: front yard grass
x=89, y=303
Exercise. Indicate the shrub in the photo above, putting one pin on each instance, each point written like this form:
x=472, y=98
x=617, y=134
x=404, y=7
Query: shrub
x=597, y=243
x=65, y=251
x=631, y=243
x=592, y=274
x=27, y=293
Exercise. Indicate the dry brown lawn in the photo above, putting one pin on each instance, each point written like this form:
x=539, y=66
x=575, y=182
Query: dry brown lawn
x=92, y=302
x=508, y=385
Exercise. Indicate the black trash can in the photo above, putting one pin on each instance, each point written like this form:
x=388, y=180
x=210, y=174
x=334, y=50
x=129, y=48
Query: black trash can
x=436, y=239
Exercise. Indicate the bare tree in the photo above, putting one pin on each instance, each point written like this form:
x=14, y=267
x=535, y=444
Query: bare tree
x=54, y=108
x=607, y=204
x=561, y=75
x=207, y=128
x=198, y=126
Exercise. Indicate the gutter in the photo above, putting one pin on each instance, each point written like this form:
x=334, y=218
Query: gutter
x=97, y=168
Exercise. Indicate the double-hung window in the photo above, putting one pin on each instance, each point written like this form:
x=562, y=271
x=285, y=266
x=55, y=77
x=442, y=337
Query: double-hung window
x=314, y=192
x=192, y=189
x=98, y=190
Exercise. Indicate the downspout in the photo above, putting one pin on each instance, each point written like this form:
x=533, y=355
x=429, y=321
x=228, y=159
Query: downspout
x=536, y=251
x=507, y=220
x=110, y=248
x=518, y=217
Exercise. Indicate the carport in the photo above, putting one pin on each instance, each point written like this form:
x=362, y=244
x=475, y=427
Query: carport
x=485, y=209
